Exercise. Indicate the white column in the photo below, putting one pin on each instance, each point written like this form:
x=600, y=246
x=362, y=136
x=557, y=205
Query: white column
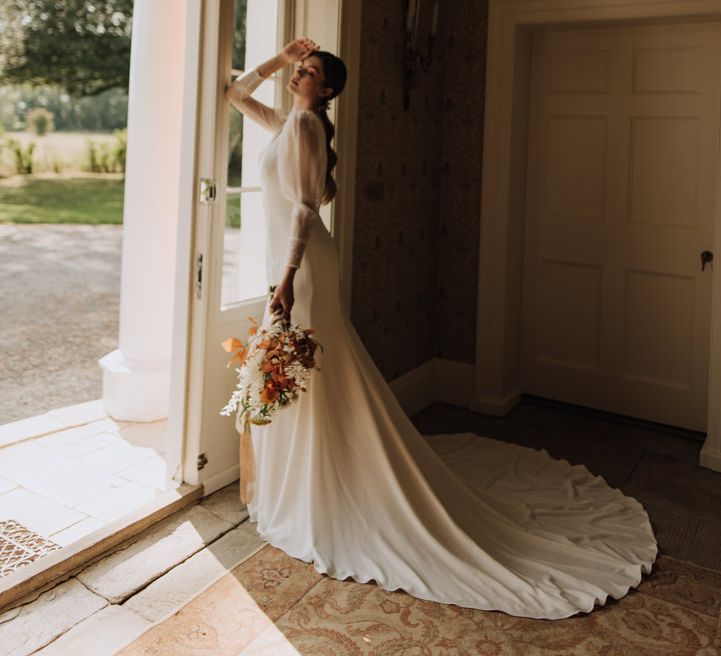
x=136, y=377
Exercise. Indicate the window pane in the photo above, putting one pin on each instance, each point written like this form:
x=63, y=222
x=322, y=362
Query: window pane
x=244, y=253
x=254, y=42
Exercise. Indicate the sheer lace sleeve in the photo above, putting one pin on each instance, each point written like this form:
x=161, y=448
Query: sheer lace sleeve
x=270, y=118
x=302, y=168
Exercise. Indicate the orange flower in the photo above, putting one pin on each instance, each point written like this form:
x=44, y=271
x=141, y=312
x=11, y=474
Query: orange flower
x=239, y=350
x=269, y=393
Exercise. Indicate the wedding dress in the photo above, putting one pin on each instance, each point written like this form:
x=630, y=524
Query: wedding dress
x=344, y=479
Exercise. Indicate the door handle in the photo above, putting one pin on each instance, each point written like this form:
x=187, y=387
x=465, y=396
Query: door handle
x=706, y=257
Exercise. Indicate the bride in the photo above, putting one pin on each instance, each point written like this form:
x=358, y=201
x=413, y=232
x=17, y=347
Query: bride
x=343, y=478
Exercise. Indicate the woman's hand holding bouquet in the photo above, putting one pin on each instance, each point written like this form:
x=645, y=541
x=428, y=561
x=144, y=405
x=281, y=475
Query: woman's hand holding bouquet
x=274, y=366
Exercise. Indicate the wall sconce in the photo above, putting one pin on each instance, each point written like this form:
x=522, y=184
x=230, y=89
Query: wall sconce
x=412, y=55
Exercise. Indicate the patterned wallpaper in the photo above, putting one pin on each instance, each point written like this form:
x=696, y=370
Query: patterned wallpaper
x=461, y=156
x=395, y=246
x=415, y=249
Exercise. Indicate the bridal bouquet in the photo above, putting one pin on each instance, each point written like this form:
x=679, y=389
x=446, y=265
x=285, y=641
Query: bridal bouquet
x=274, y=366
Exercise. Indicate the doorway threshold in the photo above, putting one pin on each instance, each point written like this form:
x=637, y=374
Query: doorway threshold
x=75, y=483
x=57, y=566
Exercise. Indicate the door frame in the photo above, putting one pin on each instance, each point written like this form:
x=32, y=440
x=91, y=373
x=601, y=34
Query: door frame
x=193, y=221
x=496, y=385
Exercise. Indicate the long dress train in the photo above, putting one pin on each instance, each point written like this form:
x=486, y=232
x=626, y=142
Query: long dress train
x=344, y=479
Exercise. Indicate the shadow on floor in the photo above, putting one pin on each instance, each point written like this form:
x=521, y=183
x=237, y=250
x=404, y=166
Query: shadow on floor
x=658, y=465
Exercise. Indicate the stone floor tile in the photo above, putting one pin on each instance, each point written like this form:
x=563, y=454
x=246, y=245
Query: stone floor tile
x=226, y=504
x=251, y=528
x=695, y=488
x=151, y=434
x=68, y=435
x=108, y=425
x=57, y=477
x=443, y=418
x=564, y=434
x=76, y=531
x=116, y=457
x=79, y=413
x=102, y=634
x=565, y=421
x=90, y=445
x=125, y=498
x=31, y=626
x=151, y=472
x=615, y=466
x=78, y=445
x=248, y=527
x=122, y=573
x=36, y=512
x=26, y=428
x=172, y=590
x=663, y=444
x=7, y=485
x=681, y=534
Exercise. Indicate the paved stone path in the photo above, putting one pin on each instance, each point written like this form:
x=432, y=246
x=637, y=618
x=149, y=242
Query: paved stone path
x=59, y=302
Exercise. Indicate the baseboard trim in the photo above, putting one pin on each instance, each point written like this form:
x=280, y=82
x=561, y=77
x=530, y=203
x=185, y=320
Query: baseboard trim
x=710, y=459
x=496, y=406
x=437, y=379
x=414, y=389
x=221, y=479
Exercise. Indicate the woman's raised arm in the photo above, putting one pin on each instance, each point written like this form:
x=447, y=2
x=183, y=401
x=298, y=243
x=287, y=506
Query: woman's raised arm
x=238, y=92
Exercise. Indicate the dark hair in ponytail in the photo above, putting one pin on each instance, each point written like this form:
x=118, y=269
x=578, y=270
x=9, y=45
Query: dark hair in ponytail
x=334, y=76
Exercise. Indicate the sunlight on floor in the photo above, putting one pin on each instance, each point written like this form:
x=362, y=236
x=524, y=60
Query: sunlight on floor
x=71, y=471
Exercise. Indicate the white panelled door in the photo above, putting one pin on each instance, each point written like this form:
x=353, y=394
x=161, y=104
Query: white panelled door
x=621, y=188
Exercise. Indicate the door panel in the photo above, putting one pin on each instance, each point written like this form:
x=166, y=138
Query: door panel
x=230, y=284
x=622, y=166
x=230, y=231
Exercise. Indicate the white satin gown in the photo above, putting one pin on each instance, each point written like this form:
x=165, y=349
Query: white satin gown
x=344, y=479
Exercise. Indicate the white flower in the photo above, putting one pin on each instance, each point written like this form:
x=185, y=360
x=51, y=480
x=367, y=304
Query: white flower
x=247, y=395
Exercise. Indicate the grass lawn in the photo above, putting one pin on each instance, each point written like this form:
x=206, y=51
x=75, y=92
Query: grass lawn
x=74, y=198
x=65, y=198
x=232, y=210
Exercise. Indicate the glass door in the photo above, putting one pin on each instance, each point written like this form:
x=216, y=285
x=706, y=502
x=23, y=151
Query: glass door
x=229, y=280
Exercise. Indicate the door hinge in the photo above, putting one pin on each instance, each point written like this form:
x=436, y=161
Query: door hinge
x=199, y=276
x=202, y=461
x=207, y=190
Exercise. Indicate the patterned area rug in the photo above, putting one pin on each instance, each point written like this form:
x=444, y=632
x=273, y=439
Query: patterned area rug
x=20, y=546
x=272, y=604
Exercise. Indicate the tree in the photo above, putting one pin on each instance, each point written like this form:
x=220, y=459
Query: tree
x=240, y=15
x=82, y=45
